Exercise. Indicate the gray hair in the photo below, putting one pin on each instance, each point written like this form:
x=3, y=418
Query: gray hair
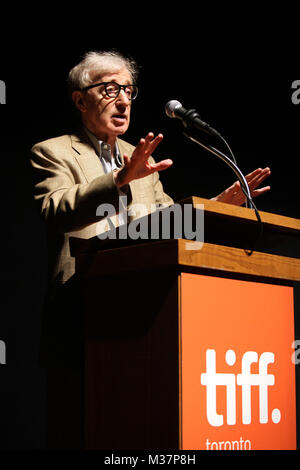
x=101, y=62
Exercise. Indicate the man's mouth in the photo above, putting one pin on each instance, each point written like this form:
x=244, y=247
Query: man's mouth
x=119, y=118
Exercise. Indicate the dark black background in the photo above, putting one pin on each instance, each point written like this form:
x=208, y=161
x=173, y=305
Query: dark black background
x=236, y=71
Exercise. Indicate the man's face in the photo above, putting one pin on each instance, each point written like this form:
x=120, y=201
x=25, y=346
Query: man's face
x=104, y=116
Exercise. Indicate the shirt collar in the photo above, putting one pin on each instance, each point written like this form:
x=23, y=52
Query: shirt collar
x=103, y=149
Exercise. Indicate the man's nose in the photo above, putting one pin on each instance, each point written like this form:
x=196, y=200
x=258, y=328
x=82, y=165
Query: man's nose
x=123, y=97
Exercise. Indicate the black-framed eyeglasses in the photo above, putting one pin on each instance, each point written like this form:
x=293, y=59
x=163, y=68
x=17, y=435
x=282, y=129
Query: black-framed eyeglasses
x=112, y=89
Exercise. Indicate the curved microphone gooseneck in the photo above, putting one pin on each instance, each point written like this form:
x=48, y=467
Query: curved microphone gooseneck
x=191, y=120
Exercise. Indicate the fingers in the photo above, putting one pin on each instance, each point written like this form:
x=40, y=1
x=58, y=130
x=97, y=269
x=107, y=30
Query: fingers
x=152, y=142
x=257, y=176
x=258, y=192
x=253, y=174
x=139, y=166
x=163, y=165
x=126, y=158
x=234, y=194
x=147, y=145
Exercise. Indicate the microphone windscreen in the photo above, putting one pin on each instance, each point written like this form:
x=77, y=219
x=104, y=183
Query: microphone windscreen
x=171, y=106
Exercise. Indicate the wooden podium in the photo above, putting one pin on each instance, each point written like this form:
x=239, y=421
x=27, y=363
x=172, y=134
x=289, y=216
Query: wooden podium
x=188, y=345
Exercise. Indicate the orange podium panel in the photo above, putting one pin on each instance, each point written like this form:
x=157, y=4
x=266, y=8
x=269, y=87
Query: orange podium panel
x=237, y=373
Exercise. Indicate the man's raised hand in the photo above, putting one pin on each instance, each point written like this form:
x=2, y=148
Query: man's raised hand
x=138, y=165
x=234, y=194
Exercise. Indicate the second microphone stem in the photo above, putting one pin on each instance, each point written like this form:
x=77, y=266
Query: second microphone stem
x=231, y=164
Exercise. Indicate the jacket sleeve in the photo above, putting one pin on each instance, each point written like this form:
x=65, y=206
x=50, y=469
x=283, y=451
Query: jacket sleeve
x=64, y=203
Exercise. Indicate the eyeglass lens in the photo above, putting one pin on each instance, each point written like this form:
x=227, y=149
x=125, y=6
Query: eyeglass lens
x=113, y=89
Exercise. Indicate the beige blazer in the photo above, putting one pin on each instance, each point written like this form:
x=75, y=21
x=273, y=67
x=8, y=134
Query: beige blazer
x=70, y=184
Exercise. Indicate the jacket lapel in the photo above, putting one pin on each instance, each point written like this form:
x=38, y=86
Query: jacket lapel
x=89, y=161
x=86, y=156
x=124, y=147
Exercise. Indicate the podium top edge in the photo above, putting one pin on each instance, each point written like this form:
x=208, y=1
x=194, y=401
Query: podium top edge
x=239, y=212
x=214, y=210
x=182, y=255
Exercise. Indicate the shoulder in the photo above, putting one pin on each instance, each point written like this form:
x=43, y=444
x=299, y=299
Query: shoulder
x=60, y=142
x=57, y=151
x=125, y=147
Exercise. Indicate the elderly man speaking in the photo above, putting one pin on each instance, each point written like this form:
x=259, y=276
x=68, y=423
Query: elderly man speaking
x=76, y=173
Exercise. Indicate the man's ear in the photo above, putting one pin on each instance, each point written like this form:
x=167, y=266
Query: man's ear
x=79, y=100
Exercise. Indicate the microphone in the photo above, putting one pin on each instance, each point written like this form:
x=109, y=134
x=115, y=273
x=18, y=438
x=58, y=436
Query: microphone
x=190, y=118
